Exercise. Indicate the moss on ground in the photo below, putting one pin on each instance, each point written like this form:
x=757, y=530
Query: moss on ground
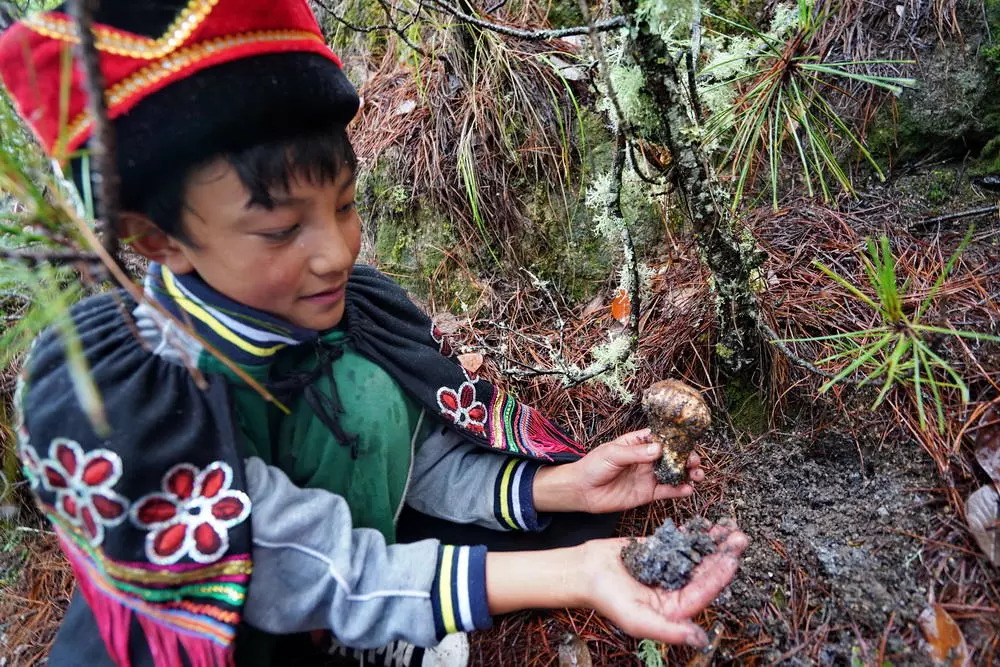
x=747, y=408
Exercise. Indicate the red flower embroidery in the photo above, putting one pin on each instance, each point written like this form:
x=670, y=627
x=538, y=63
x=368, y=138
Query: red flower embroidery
x=193, y=514
x=82, y=484
x=462, y=408
x=442, y=340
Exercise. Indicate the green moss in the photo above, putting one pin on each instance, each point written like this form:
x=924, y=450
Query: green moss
x=556, y=239
x=747, y=408
x=939, y=189
x=954, y=109
x=738, y=11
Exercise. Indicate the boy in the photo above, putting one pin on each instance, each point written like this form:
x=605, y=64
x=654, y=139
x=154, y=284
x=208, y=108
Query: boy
x=211, y=525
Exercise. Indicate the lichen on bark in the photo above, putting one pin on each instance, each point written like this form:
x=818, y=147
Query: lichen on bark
x=730, y=262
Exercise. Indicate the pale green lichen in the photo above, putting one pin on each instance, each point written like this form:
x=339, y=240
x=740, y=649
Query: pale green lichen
x=615, y=355
x=666, y=18
x=628, y=84
x=729, y=59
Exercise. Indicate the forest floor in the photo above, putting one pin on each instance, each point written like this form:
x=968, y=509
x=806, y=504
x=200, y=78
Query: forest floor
x=853, y=519
x=836, y=572
x=853, y=515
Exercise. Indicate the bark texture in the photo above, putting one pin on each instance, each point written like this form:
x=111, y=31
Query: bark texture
x=738, y=343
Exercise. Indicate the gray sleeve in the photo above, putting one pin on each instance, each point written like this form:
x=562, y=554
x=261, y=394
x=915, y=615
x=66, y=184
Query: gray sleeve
x=456, y=480
x=313, y=570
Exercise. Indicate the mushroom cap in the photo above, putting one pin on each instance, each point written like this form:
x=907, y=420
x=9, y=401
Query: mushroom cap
x=675, y=410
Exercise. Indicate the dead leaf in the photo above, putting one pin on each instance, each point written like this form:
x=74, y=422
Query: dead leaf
x=471, y=362
x=573, y=652
x=945, y=642
x=987, y=442
x=982, y=513
x=405, y=107
x=621, y=306
x=593, y=306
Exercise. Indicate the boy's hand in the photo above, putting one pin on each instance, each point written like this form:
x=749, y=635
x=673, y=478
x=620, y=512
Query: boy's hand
x=656, y=613
x=615, y=476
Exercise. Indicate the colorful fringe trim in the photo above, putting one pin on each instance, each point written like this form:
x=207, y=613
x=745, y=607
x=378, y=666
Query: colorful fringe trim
x=518, y=428
x=199, y=616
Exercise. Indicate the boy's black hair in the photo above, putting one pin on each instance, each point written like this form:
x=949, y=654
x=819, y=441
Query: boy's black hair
x=263, y=168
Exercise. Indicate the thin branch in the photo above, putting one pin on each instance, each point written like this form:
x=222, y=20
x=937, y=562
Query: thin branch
x=33, y=258
x=401, y=30
x=637, y=170
x=531, y=35
x=103, y=147
x=635, y=291
x=560, y=322
x=971, y=213
x=347, y=24
x=775, y=340
x=598, y=47
x=693, y=57
x=391, y=26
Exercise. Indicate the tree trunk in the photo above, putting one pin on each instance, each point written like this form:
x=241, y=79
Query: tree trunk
x=738, y=339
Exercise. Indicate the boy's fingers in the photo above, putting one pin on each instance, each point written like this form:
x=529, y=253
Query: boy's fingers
x=722, y=529
x=654, y=626
x=693, y=461
x=639, y=437
x=664, y=491
x=711, y=576
x=620, y=454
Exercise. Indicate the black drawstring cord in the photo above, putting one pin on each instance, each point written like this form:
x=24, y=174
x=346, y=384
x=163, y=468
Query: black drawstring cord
x=327, y=408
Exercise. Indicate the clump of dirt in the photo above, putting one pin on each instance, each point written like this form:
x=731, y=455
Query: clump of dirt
x=831, y=558
x=667, y=557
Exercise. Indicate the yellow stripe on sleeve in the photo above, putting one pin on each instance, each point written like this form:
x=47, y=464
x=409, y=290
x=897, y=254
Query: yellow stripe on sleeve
x=447, y=610
x=505, y=508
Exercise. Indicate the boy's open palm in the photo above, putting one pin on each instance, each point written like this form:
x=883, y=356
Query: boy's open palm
x=656, y=613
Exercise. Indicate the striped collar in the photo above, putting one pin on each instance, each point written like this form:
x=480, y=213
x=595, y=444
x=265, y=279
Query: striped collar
x=245, y=335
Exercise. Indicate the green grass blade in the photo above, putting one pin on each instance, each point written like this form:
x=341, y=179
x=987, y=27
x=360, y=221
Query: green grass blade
x=873, y=349
x=846, y=285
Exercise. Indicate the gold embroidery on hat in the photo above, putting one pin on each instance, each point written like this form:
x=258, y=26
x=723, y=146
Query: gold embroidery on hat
x=121, y=43
x=148, y=76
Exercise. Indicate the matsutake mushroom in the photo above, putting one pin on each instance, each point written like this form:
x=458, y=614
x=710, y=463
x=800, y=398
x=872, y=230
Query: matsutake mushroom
x=677, y=416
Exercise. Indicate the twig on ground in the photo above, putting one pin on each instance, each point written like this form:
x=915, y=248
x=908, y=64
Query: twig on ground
x=775, y=340
x=948, y=217
x=532, y=35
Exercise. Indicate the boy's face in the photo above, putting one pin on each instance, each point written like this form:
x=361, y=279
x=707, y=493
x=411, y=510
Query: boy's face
x=292, y=261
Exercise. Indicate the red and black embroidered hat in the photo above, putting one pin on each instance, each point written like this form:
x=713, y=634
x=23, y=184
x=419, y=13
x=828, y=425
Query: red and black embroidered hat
x=184, y=79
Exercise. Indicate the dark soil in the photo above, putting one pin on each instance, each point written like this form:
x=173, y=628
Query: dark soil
x=667, y=557
x=830, y=559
